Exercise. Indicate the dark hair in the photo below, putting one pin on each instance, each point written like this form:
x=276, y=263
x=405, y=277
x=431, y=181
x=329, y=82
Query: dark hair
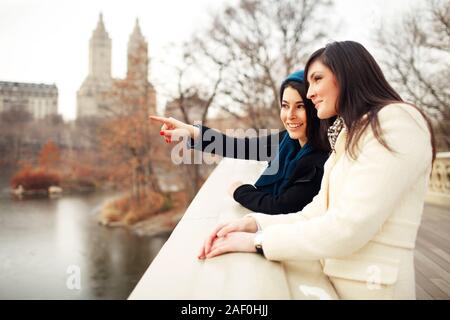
x=315, y=128
x=363, y=89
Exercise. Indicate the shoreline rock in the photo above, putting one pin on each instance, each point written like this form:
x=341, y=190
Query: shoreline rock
x=161, y=223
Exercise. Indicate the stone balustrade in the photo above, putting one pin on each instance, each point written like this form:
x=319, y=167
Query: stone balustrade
x=439, y=187
x=176, y=273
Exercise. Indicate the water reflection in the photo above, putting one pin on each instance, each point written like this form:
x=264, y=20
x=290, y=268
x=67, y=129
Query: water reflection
x=40, y=239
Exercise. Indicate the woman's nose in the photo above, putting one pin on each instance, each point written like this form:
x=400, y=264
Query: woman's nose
x=310, y=93
x=291, y=113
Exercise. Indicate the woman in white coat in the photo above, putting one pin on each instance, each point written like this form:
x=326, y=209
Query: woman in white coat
x=363, y=224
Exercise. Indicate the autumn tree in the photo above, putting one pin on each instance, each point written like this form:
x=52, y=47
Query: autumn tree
x=49, y=156
x=127, y=137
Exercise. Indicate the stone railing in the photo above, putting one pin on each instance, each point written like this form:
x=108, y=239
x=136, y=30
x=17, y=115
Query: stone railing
x=439, y=187
x=176, y=273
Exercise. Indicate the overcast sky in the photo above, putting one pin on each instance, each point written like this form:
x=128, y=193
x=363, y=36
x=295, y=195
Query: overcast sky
x=46, y=41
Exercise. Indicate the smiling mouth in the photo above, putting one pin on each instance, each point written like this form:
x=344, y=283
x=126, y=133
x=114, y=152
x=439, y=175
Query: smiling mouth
x=294, y=125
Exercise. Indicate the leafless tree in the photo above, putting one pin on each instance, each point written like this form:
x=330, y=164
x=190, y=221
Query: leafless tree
x=417, y=58
x=196, y=91
x=14, y=124
x=237, y=62
x=258, y=43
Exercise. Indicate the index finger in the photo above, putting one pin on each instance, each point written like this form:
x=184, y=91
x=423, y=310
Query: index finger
x=160, y=119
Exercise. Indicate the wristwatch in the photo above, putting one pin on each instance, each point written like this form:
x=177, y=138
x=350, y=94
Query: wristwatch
x=258, y=242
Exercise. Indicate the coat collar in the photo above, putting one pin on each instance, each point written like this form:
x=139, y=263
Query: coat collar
x=339, y=147
x=339, y=150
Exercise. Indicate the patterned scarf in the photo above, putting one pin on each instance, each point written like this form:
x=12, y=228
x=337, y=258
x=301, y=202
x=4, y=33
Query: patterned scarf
x=334, y=131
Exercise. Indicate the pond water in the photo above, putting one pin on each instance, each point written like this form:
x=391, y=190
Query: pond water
x=55, y=249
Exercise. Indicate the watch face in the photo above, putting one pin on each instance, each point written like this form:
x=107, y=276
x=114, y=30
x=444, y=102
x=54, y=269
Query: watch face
x=259, y=248
x=258, y=241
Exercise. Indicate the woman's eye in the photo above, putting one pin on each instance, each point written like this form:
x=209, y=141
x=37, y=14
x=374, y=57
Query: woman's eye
x=285, y=106
x=300, y=106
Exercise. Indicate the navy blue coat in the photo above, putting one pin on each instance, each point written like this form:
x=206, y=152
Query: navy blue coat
x=301, y=188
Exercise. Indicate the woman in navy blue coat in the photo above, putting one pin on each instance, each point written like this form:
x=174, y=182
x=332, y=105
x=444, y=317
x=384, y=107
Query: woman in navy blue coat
x=296, y=155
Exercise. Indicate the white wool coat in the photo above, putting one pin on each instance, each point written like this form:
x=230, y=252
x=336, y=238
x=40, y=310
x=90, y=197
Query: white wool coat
x=363, y=224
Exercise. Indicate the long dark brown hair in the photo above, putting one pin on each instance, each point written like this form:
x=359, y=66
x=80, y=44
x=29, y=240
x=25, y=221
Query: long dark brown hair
x=315, y=128
x=363, y=90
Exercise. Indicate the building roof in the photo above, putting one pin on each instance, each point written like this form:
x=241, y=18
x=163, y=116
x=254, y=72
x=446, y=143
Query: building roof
x=23, y=85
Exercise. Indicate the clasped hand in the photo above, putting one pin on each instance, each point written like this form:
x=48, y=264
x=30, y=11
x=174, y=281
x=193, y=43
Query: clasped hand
x=234, y=236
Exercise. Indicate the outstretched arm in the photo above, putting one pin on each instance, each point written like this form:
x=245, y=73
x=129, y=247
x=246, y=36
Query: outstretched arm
x=212, y=141
x=261, y=148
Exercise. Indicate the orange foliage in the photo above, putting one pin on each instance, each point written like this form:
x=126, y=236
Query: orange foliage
x=49, y=156
x=35, y=179
x=83, y=175
x=127, y=140
x=128, y=210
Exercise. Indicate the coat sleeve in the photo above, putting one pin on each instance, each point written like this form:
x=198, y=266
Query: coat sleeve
x=261, y=148
x=315, y=208
x=296, y=196
x=373, y=186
